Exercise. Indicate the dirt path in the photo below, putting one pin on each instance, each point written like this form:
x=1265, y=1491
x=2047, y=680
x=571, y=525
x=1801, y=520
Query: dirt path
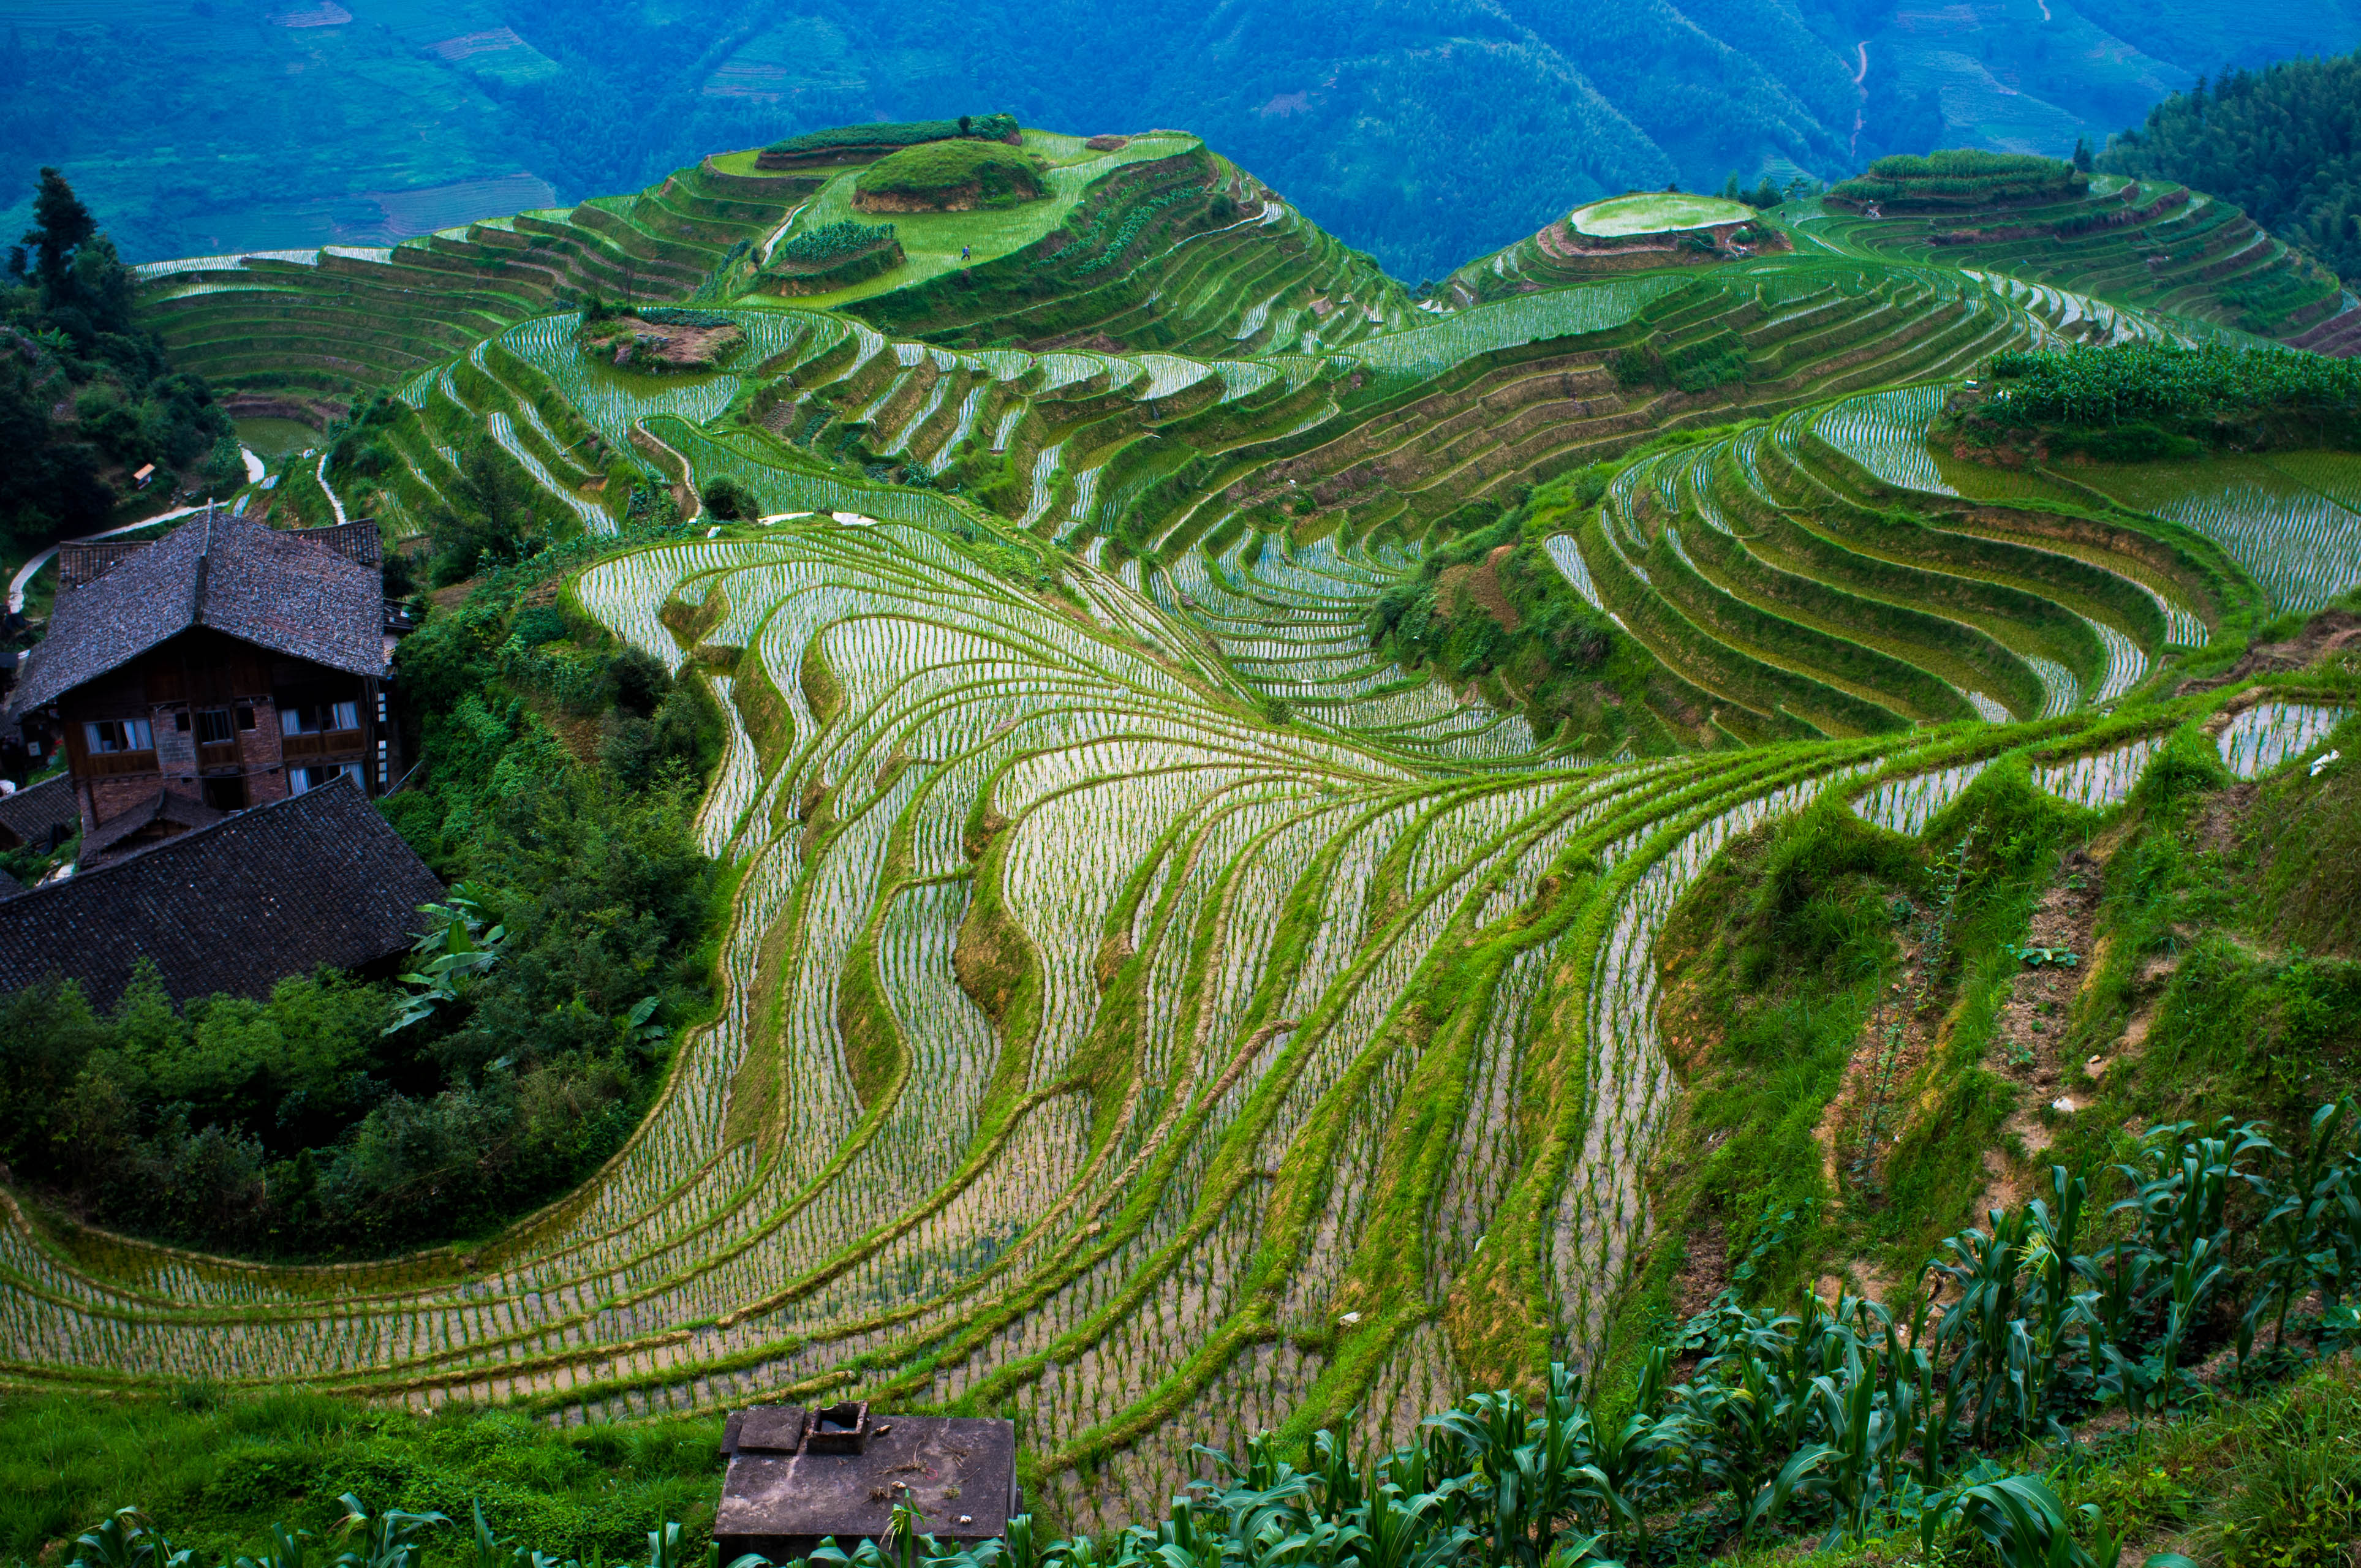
x=334, y=504
x=2029, y=1034
x=684, y=496
x=781, y=232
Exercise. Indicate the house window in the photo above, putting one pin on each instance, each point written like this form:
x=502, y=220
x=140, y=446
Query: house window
x=244, y=717
x=314, y=718
x=119, y=735
x=213, y=726
x=308, y=779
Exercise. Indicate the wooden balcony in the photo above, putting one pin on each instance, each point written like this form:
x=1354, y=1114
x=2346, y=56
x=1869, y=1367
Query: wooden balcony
x=327, y=743
x=113, y=764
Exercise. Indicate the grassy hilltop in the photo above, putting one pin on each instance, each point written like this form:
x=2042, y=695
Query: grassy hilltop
x=1741, y=833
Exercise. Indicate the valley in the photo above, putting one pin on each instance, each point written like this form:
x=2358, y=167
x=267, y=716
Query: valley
x=1283, y=833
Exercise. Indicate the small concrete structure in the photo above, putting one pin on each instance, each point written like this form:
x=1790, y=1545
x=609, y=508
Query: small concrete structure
x=797, y=1475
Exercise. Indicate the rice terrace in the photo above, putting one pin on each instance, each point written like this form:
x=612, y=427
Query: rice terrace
x=1289, y=850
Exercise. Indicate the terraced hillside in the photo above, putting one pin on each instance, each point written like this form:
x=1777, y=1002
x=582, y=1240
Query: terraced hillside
x=342, y=320
x=1093, y=1047
x=1818, y=572
x=1151, y=1011
x=2147, y=244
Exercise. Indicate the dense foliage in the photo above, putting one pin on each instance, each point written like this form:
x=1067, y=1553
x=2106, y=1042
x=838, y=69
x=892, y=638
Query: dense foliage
x=2284, y=143
x=300, y=1125
x=1961, y=177
x=1491, y=605
x=827, y=243
x=996, y=175
x=68, y=342
x=908, y=132
x=2136, y=381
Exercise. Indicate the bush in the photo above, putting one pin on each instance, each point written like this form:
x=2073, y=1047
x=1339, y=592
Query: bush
x=831, y=241
x=908, y=132
x=727, y=499
x=2125, y=384
x=1962, y=176
x=999, y=176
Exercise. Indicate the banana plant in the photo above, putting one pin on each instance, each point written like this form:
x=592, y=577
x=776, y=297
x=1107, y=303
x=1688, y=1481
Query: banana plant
x=453, y=950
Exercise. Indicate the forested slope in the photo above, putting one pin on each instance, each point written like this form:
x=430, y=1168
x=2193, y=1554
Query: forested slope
x=2283, y=142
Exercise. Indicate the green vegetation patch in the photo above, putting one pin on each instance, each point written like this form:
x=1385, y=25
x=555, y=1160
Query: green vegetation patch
x=2135, y=401
x=1657, y=212
x=562, y=773
x=219, y=1470
x=904, y=133
x=949, y=174
x=833, y=241
x=2283, y=142
x=1962, y=177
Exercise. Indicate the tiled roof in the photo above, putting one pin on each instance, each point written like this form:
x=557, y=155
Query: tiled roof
x=165, y=806
x=84, y=561
x=316, y=879
x=29, y=814
x=277, y=590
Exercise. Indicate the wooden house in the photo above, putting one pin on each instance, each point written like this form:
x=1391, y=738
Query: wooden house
x=224, y=666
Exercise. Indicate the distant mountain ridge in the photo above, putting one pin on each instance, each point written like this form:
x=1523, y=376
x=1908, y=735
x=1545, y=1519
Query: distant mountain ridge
x=1423, y=131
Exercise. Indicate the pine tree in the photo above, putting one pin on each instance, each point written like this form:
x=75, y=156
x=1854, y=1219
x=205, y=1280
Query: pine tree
x=61, y=223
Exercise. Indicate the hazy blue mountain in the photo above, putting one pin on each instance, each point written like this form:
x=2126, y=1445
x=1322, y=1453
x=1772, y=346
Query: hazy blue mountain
x=1424, y=130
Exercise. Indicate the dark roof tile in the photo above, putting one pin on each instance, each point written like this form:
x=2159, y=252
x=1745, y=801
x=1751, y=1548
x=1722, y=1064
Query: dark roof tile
x=317, y=879
x=167, y=804
x=277, y=590
x=28, y=815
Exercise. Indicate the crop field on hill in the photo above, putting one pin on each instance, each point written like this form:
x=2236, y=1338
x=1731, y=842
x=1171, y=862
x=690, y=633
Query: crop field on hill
x=935, y=240
x=1164, y=999
x=1656, y=214
x=1178, y=1032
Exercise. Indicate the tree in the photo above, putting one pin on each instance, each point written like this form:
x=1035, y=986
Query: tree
x=727, y=499
x=60, y=225
x=2082, y=154
x=492, y=521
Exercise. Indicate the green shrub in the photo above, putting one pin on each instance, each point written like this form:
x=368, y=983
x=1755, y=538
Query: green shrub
x=905, y=133
x=2135, y=399
x=830, y=241
x=1962, y=176
x=1000, y=175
